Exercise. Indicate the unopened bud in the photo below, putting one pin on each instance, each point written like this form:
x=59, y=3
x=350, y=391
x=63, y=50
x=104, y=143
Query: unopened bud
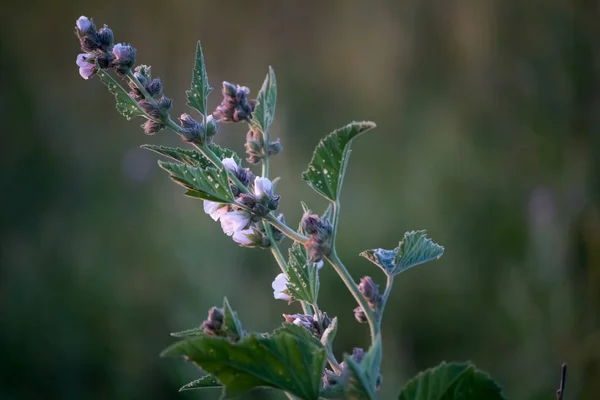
x=319, y=231
x=164, y=104
x=124, y=58
x=214, y=322
x=155, y=87
x=370, y=291
x=211, y=126
x=274, y=148
x=359, y=315
x=235, y=105
x=151, y=127
x=105, y=38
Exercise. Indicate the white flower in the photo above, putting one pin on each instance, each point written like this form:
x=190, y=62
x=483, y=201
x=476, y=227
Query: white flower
x=234, y=221
x=279, y=285
x=262, y=187
x=83, y=23
x=243, y=237
x=320, y=265
x=297, y=321
x=214, y=209
x=86, y=68
x=230, y=164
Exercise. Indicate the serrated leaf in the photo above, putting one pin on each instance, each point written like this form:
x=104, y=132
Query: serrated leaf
x=266, y=101
x=327, y=167
x=192, y=157
x=198, y=93
x=303, y=277
x=232, y=327
x=290, y=359
x=205, y=183
x=207, y=381
x=126, y=105
x=188, y=333
x=415, y=248
x=453, y=381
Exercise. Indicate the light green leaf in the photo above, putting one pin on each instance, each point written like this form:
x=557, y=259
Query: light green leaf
x=264, y=112
x=207, y=381
x=358, y=386
x=232, y=327
x=303, y=277
x=415, y=248
x=290, y=359
x=192, y=157
x=372, y=362
x=198, y=93
x=454, y=381
x=326, y=170
x=126, y=105
x=330, y=332
x=188, y=333
x=205, y=183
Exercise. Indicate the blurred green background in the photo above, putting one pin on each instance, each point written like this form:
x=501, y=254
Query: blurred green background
x=488, y=138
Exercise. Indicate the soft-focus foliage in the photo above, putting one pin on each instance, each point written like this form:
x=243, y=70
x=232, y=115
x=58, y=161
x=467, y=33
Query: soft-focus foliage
x=487, y=136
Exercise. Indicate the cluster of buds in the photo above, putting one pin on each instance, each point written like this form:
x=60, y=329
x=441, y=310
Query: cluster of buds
x=235, y=106
x=256, y=149
x=242, y=221
x=370, y=291
x=314, y=326
x=319, y=231
x=99, y=50
x=195, y=132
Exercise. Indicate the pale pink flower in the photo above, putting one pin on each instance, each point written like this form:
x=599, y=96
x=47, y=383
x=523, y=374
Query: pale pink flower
x=83, y=23
x=86, y=68
x=262, y=187
x=234, y=221
x=230, y=164
x=243, y=237
x=214, y=209
x=279, y=286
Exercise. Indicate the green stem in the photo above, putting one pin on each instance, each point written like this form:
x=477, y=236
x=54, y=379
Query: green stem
x=286, y=230
x=386, y=294
x=141, y=87
x=341, y=270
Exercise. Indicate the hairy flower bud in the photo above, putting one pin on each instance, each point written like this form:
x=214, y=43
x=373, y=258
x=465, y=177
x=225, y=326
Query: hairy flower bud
x=105, y=38
x=274, y=148
x=83, y=23
x=213, y=324
x=165, y=104
x=359, y=315
x=235, y=105
x=151, y=127
x=124, y=58
x=87, y=34
x=155, y=87
x=211, y=126
x=319, y=231
x=370, y=290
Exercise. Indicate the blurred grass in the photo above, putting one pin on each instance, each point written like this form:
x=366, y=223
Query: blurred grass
x=488, y=138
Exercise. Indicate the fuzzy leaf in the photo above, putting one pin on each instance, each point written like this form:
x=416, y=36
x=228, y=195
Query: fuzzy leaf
x=232, y=326
x=372, y=362
x=358, y=386
x=188, y=333
x=198, y=93
x=207, y=381
x=290, y=359
x=264, y=112
x=303, y=277
x=192, y=157
x=415, y=248
x=205, y=183
x=126, y=105
x=327, y=167
x=453, y=381
x=330, y=332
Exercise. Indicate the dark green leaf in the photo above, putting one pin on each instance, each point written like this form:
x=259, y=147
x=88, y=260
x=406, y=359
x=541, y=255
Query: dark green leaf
x=188, y=333
x=192, y=157
x=358, y=386
x=205, y=183
x=264, y=112
x=207, y=381
x=415, y=248
x=232, y=327
x=198, y=93
x=290, y=359
x=454, y=381
x=326, y=170
x=372, y=362
x=303, y=277
x=126, y=105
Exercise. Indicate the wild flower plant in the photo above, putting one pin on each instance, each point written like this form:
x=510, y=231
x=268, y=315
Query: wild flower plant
x=296, y=358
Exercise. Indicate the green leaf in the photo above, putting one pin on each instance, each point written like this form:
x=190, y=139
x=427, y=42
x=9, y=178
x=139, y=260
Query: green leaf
x=326, y=170
x=232, y=326
x=303, y=277
x=330, y=332
x=207, y=381
x=415, y=248
x=192, y=157
x=453, y=381
x=372, y=362
x=126, y=105
x=358, y=386
x=198, y=93
x=205, y=183
x=264, y=112
x=290, y=359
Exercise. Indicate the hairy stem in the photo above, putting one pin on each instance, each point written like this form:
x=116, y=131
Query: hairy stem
x=286, y=230
x=341, y=270
x=386, y=294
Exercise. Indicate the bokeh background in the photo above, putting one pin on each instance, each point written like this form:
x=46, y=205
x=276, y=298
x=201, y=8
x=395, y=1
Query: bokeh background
x=488, y=138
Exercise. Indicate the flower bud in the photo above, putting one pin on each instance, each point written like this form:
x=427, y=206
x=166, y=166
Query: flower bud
x=359, y=315
x=151, y=127
x=124, y=58
x=154, y=88
x=190, y=129
x=319, y=231
x=104, y=60
x=235, y=105
x=87, y=34
x=263, y=187
x=213, y=324
x=105, y=38
x=274, y=148
x=150, y=108
x=254, y=147
x=211, y=126
x=370, y=291
x=230, y=164
x=83, y=23
x=165, y=104
x=302, y=320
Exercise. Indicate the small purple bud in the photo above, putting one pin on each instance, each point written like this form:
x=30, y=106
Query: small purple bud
x=235, y=105
x=319, y=231
x=213, y=324
x=165, y=104
x=151, y=127
x=359, y=315
x=370, y=290
x=83, y=23
x=124, y=58
x=155, y=87
x=106, y=38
